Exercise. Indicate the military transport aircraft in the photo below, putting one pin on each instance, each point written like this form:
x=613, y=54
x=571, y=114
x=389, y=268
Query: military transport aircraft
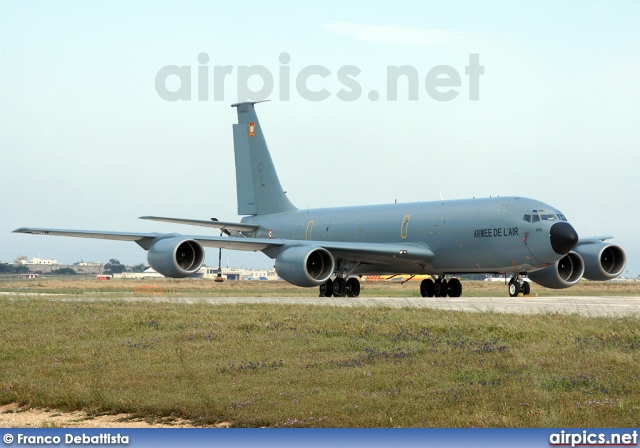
x=332, y=247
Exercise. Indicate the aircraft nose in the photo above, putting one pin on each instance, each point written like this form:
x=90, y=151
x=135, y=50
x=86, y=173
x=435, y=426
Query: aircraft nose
x=563, y=237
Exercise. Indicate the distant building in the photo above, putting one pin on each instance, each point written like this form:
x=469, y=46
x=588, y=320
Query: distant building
x=39, y=265
x=238, y=274
x=149, y=273
x=39, y=261
x=624, y=279
x=22, y=260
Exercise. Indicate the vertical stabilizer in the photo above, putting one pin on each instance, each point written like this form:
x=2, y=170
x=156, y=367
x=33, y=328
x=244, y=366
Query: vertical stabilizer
x=258, y=186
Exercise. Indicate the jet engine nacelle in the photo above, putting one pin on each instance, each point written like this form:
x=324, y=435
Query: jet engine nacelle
x=305, y=265
x=563, y=274
x=176, y=257
x=602, y=261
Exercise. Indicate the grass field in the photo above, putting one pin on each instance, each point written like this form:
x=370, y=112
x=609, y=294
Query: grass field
x=302, y=365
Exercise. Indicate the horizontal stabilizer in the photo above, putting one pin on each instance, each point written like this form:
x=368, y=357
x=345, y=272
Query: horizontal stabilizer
x=216, y=224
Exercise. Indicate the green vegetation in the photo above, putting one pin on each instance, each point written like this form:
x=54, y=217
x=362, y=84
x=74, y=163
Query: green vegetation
x=298, y=365
x=63, y=271
x=6, y=268
x=138, y=268
x=114, y=267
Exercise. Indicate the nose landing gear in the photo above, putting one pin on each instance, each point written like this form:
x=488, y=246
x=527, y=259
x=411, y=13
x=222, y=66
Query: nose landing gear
x=517, y=285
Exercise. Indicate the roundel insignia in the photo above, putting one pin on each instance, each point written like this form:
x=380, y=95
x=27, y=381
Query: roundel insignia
x=270, y=233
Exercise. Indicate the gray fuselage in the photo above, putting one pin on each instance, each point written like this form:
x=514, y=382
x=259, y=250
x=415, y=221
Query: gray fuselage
x=487, y=235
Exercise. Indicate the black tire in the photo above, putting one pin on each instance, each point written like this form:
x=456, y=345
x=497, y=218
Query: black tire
x=455, y=288
x=427, y=288
x=441, y=288
x=353, y=287
x=326, y=289
x=526, y=288
x=514, y=288
x=339, y=287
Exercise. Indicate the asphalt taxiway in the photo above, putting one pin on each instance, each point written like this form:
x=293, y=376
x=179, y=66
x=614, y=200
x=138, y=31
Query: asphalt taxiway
x=586, y=306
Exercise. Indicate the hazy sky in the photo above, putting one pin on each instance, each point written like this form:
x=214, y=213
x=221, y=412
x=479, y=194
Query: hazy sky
x=89, y=143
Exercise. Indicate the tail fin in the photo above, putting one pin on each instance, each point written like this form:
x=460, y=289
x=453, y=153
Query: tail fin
x=258, y=186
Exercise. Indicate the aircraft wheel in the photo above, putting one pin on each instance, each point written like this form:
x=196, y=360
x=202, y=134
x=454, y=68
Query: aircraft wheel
x=455, y=288
x=526, y=288
x=326, y=289
x=339, y=287
x=426, y=288
x=441, y=288
x=514, y=288
x=353, y=287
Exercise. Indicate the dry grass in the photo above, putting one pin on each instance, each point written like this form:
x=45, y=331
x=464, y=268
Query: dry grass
x=85, y=285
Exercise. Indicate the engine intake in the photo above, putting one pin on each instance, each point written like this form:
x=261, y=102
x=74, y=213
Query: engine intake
x=565, y=273
x=602, y=261
x=305, y=265
x=176, y=257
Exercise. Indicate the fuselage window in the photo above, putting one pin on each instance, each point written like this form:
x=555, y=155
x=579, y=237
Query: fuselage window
x=527, y=217
x=548, y=217
x=535, y=218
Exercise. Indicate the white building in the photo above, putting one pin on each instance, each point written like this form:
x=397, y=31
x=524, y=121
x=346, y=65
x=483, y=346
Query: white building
x=149, y=273
x=238, y=274
x=41, y=261
x=209, y=273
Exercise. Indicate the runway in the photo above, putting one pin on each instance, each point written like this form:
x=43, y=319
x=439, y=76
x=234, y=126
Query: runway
x=586, y=306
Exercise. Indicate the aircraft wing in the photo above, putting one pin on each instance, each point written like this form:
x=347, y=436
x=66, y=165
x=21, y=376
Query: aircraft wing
x=145, y=240
x=592, y=240
x=213, y=223
x=120, y=236
x=365, y=251
x=348, y=250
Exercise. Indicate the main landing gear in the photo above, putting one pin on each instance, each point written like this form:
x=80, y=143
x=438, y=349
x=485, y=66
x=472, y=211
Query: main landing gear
x=339, y=287
x=441, y=287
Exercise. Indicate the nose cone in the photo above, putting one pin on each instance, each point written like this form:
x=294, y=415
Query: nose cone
x=563, y=237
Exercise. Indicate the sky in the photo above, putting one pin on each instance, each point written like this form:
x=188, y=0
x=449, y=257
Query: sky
x=89, y=141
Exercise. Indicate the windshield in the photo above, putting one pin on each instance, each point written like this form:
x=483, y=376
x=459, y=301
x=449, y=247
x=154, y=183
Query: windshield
x=541, y=215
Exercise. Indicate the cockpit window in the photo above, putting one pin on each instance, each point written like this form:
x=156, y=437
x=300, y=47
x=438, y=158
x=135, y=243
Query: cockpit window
x=540, y=215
